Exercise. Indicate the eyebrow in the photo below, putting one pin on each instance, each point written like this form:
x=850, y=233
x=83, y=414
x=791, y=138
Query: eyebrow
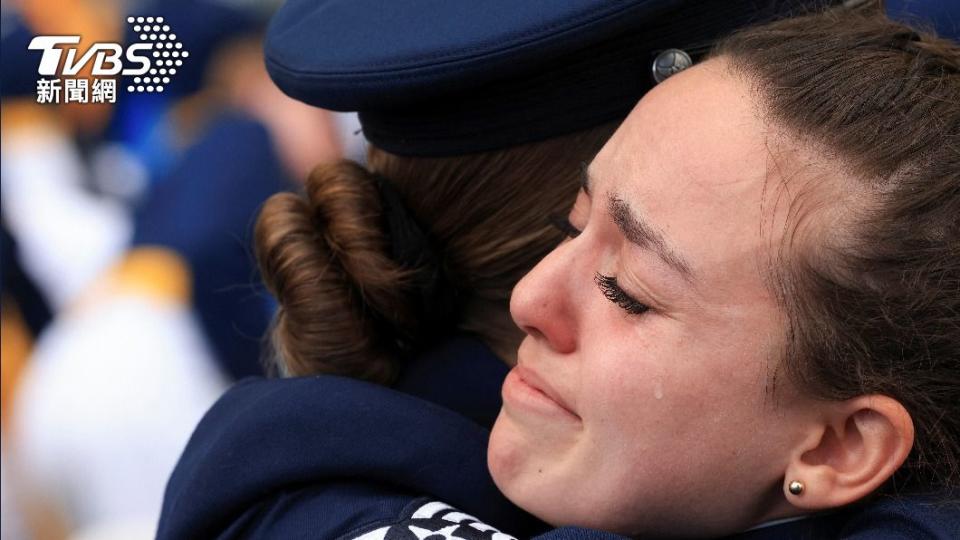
x=639, y=232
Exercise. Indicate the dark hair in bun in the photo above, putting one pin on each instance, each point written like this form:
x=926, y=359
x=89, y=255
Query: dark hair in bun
x=371, y=265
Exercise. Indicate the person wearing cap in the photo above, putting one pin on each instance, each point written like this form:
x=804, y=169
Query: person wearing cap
x=399, y=272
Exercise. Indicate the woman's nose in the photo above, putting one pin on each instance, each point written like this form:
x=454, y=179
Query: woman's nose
x=543, y=302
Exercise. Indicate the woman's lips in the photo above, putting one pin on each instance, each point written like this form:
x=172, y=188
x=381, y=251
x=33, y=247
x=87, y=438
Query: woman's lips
x=524, y=389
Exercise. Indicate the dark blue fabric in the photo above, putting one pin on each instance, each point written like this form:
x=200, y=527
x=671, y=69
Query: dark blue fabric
x=314, y=457
x=911, y=518
x=448, y=77
x=205, y=210
x=943, y=16
x=914, y=518
x=329, y=510
x=360, y=54
x=461, y=375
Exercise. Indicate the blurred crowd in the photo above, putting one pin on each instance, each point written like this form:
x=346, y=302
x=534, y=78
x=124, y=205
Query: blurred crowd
x=130, y=296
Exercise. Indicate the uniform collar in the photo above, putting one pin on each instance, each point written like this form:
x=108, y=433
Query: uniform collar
x=462, y=375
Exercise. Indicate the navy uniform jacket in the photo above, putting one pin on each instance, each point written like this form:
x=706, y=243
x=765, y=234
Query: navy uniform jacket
x=334, y=458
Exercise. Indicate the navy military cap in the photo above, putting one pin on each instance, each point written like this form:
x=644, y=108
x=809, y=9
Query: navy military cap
x=448, y=77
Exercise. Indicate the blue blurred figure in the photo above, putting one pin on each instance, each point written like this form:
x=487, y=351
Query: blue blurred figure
x=943, y=16
x=203, y=211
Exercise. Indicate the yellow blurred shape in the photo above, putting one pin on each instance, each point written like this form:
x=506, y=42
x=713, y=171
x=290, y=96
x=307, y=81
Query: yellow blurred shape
x=153, y=271
x=15, y=345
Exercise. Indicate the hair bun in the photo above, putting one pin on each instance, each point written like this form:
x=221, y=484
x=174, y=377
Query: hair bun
x=344, y=302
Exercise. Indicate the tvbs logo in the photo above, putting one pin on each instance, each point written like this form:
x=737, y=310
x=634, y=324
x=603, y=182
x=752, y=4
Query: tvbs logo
x=151, y=62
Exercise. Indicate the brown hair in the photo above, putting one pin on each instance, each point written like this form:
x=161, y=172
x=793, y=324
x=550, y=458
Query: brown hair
x=348, y=307
x=873, y=305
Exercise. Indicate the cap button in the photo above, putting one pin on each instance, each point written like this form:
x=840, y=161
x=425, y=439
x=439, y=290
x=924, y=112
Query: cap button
x=669, y=62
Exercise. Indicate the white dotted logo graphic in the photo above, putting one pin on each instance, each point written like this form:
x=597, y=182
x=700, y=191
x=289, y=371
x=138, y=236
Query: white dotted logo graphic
x=166, y=57
x=69, y=74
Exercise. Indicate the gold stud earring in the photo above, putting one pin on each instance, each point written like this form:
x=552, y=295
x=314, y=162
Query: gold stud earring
x=795, y=487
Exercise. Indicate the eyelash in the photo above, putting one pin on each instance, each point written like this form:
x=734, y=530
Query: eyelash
x=608, y=284
x=609, y=287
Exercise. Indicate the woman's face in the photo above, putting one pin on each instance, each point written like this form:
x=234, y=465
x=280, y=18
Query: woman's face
x=641, y=401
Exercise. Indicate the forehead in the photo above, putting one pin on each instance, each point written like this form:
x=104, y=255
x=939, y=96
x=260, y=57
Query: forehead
x=693, y=159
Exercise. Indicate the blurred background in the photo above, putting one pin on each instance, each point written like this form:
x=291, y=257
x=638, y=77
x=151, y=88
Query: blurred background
x=130, y=297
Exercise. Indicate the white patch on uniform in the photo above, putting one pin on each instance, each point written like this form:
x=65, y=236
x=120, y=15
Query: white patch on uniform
x=430, y=509
x=457, y=517
x=446, y=533
x=438, y=519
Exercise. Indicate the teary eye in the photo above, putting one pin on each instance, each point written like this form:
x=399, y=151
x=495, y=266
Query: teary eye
x=610, y=289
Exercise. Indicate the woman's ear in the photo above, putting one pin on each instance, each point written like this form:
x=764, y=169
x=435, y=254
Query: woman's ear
x=854, y=447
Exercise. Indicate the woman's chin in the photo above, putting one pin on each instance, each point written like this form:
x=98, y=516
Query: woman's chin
x=530, y=474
